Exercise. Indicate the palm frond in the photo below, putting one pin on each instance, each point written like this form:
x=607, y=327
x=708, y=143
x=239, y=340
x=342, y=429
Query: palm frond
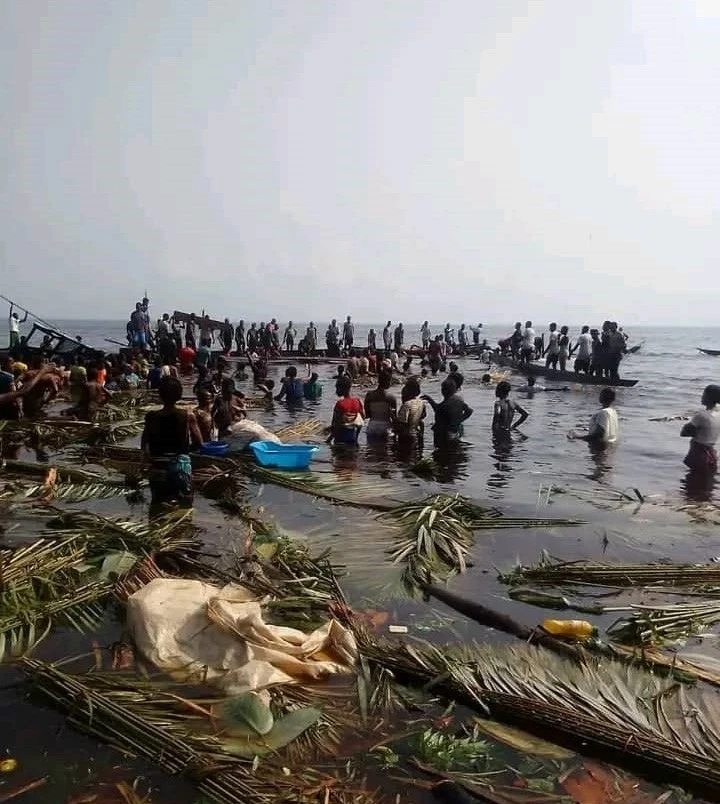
x=658, y=624
x=26, y=619
x=435, y=535
x=367, y=493
x=65, y=474
x=600, y=574
x=609, y=705
x=65, y=492
x=39, y=561
x=171, y=532
x=160, y=723
x=300, y=430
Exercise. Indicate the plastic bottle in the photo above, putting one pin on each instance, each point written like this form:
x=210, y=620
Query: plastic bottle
x=570, y=629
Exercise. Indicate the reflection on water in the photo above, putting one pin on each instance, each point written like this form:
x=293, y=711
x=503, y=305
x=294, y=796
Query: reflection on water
x=698, y=486
x=602, y=461
x=451, y=461
x=503, y=445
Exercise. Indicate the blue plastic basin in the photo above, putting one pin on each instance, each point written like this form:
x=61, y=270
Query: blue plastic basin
x=283, y=456
x=216, y=448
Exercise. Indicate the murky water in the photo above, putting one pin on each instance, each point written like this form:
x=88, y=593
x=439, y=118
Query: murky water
x=540, y=473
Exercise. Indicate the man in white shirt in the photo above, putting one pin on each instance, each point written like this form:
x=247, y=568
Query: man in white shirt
x=583, y=348
x=604, y=428
x=14, y=326
x=527, y=352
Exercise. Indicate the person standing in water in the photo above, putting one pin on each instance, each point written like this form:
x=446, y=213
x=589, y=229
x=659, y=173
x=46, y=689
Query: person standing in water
x=380, y=408
x=348, y=414
x=703, y=430
x=426, y=335
x=449, y=414
x=166, y=441
x=504, y=410
x=604, y=428
x=372, y=339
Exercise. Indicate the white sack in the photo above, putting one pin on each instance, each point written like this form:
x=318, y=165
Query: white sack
x=199, y=631
x=246, y=430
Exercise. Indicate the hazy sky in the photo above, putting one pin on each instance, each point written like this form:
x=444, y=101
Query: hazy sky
x=455, y=159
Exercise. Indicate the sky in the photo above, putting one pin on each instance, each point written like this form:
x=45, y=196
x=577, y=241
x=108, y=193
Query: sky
x=463, y=160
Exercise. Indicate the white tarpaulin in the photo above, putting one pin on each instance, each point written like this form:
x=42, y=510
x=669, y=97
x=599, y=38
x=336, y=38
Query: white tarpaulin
x=218, y=635
x=246, y=430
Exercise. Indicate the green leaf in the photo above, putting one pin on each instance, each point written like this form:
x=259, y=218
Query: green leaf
x=245, y=710
x=117, y=564
x=522, y=741
x=282, y=733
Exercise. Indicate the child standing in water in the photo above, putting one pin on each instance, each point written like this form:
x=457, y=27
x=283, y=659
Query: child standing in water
x=704, y=430
x=505, y=409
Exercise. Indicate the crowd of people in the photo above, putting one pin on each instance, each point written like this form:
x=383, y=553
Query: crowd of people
x=596, y=352
x=173, y=355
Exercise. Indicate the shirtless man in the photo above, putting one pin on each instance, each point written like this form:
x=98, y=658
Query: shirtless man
x=203, y=414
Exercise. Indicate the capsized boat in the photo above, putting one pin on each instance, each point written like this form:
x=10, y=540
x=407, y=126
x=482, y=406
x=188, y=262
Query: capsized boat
x=539, y=370
x=711, y=352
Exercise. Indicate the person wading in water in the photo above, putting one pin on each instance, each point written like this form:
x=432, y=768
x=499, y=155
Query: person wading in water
x=704, y=430
x=166, y=441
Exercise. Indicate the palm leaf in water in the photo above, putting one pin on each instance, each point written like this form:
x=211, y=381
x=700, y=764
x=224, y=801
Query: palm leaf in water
x=645, y=720
x=368, y=492
x=26, y=619
x=558, y=573
x=434, y=536
x=67, y=492
x=300, y=430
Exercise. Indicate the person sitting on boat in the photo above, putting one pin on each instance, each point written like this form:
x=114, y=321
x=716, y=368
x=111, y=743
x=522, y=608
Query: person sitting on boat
x=704, y=430
x=166, y=441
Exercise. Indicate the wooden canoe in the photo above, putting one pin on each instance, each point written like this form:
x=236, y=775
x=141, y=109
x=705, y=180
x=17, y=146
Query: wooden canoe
x=539, y=370
x=711, y=352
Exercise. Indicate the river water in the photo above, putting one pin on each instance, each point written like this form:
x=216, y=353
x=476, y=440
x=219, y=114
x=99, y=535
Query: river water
x=539, y=473
x=671, y=374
